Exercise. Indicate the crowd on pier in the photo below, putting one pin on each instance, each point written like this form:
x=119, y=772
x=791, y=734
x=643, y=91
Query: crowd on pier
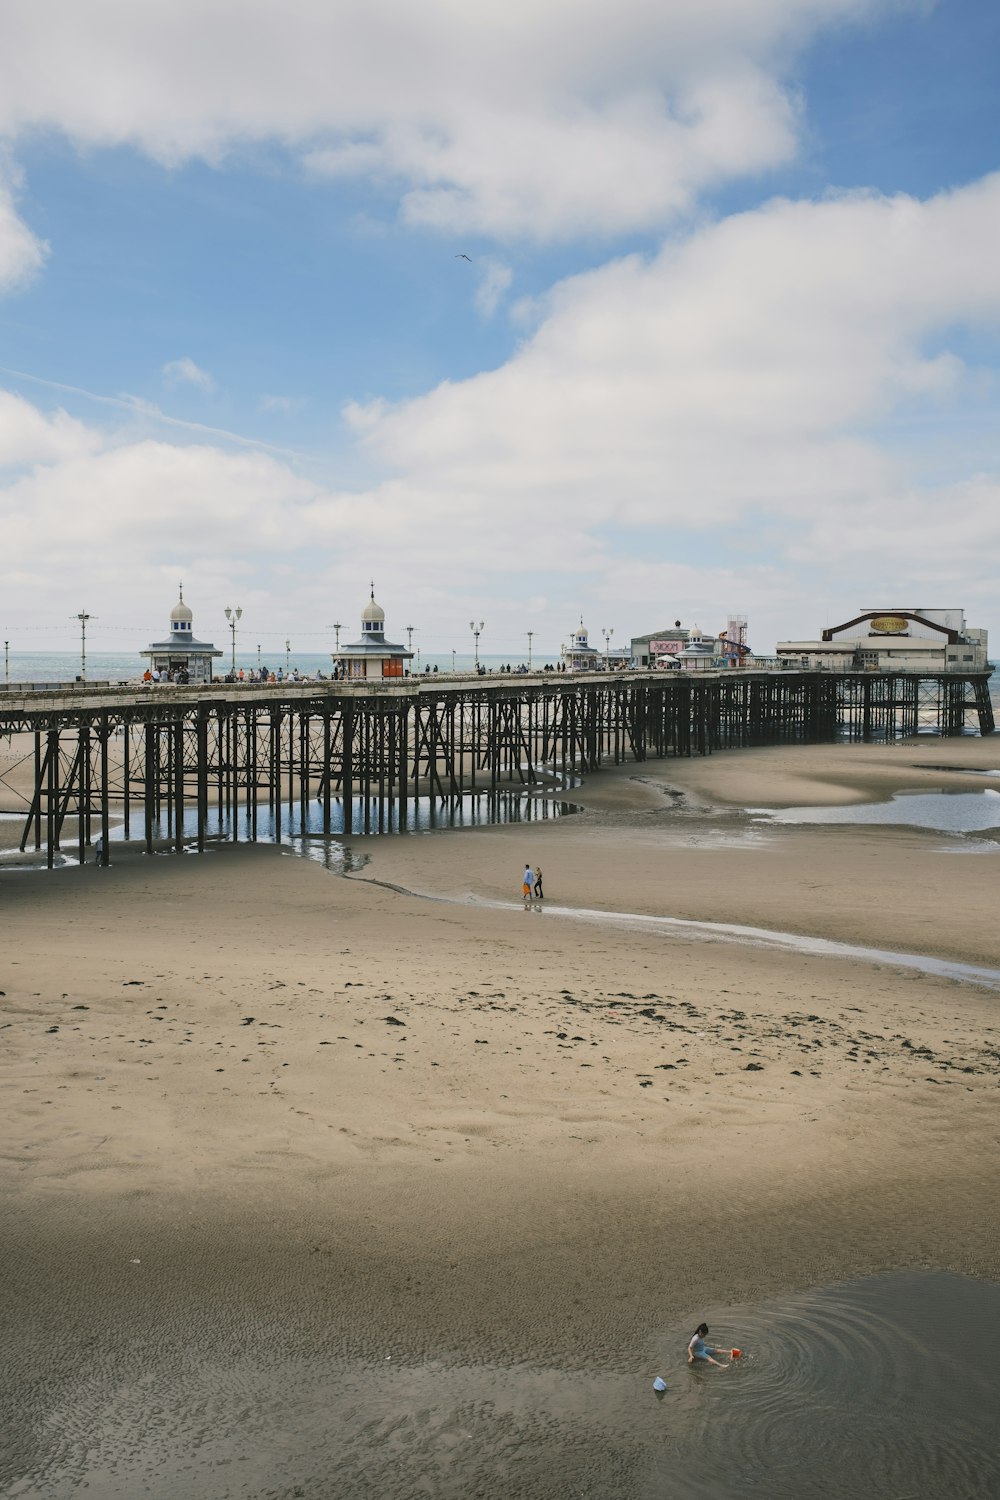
x=258, y=677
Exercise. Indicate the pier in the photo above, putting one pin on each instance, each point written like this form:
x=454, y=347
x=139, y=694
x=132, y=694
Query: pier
x=194, y=760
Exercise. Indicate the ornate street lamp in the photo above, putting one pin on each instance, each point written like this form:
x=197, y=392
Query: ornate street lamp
x=530, y=634
x=233, y=615
x=83, y=617
x=607, y=634
x=477, y=631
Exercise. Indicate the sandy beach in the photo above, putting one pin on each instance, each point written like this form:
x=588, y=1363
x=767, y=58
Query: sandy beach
x=395, y=1114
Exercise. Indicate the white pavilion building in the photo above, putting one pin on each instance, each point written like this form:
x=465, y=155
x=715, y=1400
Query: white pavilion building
x=578, y=654
x=702, y=652
x=181, y=650
x=372, y=656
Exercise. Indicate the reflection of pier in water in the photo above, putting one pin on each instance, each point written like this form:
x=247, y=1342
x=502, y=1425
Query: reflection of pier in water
x=355, y=758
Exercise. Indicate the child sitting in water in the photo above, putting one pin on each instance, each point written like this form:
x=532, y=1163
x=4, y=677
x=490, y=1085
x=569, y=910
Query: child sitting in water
x=698, y=1349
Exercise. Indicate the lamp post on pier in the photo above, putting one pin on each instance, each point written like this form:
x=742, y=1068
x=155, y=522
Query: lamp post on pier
x=83, y=617
x=607, y=634
x=453, y=660
x=477, y=631
x=258, y=658
x=530, y=634
x=233, y=615
x=288, y=656
x=337, y=628
x=6, y=661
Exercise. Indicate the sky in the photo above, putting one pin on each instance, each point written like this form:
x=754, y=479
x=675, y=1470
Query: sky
x=522, y=312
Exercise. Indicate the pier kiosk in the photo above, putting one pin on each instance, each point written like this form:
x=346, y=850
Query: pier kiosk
x=182, y=651
x=372, y=655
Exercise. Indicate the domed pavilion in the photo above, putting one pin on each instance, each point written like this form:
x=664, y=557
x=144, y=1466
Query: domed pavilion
x=578, y=654
x=372, y=656
x=182, y=651
x=702, y=653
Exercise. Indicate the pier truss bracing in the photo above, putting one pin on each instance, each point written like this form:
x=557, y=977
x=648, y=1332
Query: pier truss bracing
x=182, y=766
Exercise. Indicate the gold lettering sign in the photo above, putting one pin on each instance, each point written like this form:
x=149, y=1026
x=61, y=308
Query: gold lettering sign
x=889, y=625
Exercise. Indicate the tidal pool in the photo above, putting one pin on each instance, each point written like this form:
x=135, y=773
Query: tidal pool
x=884, y=1386
x=946, y=812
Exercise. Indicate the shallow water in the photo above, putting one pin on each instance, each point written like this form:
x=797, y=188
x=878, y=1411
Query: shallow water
x=733, y=932
x=961, y=770
x=473, y=810
x=880, y=1387
x=300, y=827
x=883, y=1386
x=946, y=812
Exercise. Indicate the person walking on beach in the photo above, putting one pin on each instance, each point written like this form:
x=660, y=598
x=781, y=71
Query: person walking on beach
x=527, y=882
x=699, y=1351
x=538, y=883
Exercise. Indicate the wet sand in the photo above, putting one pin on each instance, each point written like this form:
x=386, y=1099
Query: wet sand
x=257, y=1114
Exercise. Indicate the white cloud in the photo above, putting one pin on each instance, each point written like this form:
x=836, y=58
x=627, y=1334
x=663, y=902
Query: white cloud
x=186, y=372
x=22, y=254
x=785, y=332
x=115, y=517
x=131, y=498
x=591, y=168
x=364, y=416
x=29, y=437
x=532, y=118
x=734, y=387
x=720, y=423
x=494, y=280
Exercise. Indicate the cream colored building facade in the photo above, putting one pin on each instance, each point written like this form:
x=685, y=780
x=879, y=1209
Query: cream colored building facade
x=912, y=639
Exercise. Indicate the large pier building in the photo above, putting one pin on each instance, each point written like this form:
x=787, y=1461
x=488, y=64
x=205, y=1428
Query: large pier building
x=894, y=640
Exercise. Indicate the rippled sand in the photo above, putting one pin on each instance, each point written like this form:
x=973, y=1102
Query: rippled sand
x=314, y=1186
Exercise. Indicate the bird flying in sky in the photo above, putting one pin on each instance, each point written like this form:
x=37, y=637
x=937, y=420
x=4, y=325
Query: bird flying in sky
x=462, y=256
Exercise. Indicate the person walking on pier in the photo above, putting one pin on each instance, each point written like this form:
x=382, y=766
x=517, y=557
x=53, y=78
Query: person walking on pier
x=538, y=883
x=527, y=882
